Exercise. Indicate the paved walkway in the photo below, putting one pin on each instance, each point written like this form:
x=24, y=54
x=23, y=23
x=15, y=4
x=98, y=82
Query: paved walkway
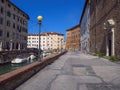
x=76, y=71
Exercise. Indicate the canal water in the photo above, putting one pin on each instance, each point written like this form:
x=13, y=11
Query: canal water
x=5, y=68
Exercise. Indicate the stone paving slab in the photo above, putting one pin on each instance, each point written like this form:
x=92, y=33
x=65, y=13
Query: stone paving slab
x=83, y=87
x=80, y=71
x=108, y=73
x=83, y=71
x=87, y=79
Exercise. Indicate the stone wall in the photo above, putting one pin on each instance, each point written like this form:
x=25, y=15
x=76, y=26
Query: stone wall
x=100, y=12
x=13, y=79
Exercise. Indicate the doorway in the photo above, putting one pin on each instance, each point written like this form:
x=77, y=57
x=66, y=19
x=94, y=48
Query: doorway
x=110, y=43
x=109, y=46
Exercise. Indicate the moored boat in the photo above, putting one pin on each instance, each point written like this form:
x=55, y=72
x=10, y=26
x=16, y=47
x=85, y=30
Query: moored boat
x=19, y=59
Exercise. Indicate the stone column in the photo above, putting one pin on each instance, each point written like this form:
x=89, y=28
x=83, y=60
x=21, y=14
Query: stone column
x=1, y=46
x=11, y=45
x=19, y=46
x=113, y=42
x=107, y=49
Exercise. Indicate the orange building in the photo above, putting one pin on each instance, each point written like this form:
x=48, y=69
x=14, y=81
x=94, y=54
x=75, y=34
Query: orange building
x=73, y=38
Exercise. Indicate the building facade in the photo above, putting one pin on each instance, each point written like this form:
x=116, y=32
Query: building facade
x=73, y=38
x=49, y=41
x=13, y=26
x=85, y=28
x=105, y=27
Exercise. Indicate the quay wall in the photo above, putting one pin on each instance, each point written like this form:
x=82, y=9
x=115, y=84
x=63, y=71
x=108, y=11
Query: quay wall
x=13, y=79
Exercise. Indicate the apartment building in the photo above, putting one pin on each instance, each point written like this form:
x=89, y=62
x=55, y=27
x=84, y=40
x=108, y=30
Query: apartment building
x=49, y=41
x=73, y=38
x=13, y=26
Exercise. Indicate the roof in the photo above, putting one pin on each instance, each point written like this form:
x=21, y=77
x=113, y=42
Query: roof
x=73, y=27
x=32, y=34
x=46, y=33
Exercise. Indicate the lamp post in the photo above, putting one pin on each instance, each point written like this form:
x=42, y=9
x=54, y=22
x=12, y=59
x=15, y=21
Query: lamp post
x=39, y=24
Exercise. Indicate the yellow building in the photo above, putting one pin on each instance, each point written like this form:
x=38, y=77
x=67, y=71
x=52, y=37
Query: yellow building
x=73, y=38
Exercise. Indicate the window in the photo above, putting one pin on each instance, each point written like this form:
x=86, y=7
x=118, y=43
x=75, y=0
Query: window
x=14, y=9
x=17, y=27
x=25, y=38
x=8, y=14
x=14, y=25
x=20, y=29
x=1, y=33
x=8, y=23
x=1, y=10
x=17, y=18
x=14, y=16
x=9, y=5
x=8, y=34
x=1, y=20
x=21, y=20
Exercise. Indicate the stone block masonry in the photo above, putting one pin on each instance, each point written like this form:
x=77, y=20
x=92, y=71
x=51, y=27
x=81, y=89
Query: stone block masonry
x=100, y=12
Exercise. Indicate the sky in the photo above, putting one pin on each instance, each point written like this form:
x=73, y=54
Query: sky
x=58, y=15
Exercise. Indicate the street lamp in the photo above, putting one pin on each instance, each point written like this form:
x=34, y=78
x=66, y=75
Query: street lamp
x=39, y=24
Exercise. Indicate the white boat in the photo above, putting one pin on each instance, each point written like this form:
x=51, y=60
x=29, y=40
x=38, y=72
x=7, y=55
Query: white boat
x=32, y=57
x=19, y=59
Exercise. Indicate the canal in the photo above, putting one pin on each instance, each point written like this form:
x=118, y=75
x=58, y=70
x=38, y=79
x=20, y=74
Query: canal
x=5, y=68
